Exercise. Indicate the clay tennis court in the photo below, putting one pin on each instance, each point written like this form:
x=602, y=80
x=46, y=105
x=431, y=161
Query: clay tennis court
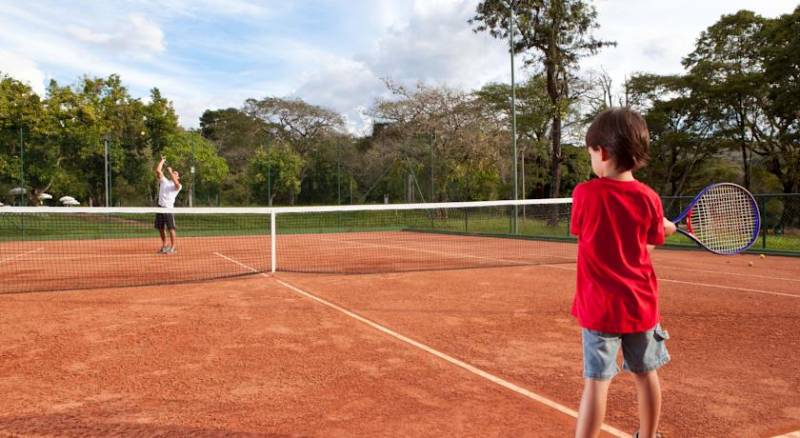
x=446, y=352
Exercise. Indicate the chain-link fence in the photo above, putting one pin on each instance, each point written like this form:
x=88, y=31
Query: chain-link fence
x=780, y=221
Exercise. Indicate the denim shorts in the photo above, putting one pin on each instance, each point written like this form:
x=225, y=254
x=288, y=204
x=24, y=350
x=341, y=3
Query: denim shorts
x=645, y=351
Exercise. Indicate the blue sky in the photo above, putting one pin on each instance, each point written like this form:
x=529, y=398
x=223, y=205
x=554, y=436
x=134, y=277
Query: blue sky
x=209, y=54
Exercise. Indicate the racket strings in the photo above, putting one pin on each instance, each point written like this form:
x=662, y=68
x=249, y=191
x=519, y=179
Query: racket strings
x=724, y=219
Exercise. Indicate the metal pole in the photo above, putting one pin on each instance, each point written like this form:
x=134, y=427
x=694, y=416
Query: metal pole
x=191, y=191
x=273, y=240
x=433, y=191
x=338, y=173
x=105, y=168
x=513, y=108
x=21, y=168
x=269, y=175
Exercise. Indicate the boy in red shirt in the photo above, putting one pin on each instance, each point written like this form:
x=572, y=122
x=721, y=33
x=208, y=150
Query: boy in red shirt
x=618, y=220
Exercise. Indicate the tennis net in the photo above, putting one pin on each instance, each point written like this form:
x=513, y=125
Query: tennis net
x=59, y=248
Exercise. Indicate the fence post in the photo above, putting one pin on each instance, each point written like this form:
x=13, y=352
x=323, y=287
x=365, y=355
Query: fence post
x=763, y=212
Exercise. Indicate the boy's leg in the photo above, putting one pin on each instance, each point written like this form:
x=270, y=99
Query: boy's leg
x=644, y=353
x=599, y=367
x=593, y=408
x=648, y=392
x=163, y=237
x=172, y=237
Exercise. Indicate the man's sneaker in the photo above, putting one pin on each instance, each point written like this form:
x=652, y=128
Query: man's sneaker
x=170, y=250
x=163, y=249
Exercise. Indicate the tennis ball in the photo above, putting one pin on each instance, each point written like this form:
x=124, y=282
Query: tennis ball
x=750, y=264
x=763, y=256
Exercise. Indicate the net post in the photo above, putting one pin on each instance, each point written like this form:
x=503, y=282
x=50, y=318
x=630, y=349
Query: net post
x=272, y=239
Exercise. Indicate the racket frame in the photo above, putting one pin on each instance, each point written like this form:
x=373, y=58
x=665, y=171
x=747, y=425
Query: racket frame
x=686, y=213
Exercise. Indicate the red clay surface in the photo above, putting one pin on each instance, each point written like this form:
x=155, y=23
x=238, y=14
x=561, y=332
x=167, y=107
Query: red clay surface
x=251, y=357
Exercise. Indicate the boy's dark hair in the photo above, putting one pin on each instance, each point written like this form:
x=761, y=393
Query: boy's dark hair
x=623, y=133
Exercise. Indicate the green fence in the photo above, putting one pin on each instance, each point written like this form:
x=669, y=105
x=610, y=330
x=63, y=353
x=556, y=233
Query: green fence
x=780, y=222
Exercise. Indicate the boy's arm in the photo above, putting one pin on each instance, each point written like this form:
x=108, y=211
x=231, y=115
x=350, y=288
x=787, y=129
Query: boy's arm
x=159, y=173
x=669, y=229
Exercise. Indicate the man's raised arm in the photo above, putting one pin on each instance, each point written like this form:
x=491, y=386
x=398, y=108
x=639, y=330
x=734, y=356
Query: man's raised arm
x=159, y=173
x=174, y=177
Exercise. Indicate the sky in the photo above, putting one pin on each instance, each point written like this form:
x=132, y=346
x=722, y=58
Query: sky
x=214, y=54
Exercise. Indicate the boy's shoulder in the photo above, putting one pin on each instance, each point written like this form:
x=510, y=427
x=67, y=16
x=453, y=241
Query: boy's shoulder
x=648, y=191
x=602, y=186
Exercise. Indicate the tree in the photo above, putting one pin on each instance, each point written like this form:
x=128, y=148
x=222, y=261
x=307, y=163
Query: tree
x=189, y=150
x=306, y=128
x=432, y=129
x=21, y=112
x=726, y=73
x=556, y=35
x=533, y=121
x=682, y=138
x=274, y=173
x=778, y=130
x=237, y=136
x=161, y=121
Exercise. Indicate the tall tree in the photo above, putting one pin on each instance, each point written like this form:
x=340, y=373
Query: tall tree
x=726, y=73
x=555, y=34
x=778, y=131
x=305, y=127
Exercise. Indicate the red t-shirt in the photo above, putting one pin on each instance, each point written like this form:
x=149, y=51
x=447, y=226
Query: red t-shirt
x=617, y=290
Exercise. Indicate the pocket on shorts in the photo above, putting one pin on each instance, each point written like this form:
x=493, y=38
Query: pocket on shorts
x=660, y=334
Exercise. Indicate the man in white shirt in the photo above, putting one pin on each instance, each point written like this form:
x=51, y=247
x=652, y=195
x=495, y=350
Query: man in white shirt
x=167, y=192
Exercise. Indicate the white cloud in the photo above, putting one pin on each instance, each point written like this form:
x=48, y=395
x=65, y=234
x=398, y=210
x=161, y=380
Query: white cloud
x=135, y=36
x=344, y=86
x=22, y=69
x=437, y=45
x=654, y=36
x=209, y=54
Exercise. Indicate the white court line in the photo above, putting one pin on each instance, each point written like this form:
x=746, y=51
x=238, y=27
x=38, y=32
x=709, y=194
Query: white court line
x=21, y=255
x=240, y=264
x=766, y=277
x=716, y=286
x=461, y=364
x=795, y=434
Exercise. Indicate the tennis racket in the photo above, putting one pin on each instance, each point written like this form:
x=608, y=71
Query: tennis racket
x=723, y=218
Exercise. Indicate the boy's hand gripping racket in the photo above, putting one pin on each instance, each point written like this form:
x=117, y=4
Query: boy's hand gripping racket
x=723, y=219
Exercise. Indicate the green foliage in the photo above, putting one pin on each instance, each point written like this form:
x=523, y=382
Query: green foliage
x=189, y=149
x=731, y=116
x=474, y=180
x=274, y=174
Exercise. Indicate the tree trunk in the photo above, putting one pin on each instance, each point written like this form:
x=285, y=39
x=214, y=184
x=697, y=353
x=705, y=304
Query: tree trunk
x=745, y=165
x=555, y=164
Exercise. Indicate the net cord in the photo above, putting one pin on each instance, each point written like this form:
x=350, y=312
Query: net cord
x=281, y=210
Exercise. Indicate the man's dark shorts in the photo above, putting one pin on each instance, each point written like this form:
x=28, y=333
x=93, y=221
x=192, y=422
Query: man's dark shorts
x=165, y=220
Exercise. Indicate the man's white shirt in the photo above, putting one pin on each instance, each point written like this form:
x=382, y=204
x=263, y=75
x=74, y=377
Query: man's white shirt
x=167, y=192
